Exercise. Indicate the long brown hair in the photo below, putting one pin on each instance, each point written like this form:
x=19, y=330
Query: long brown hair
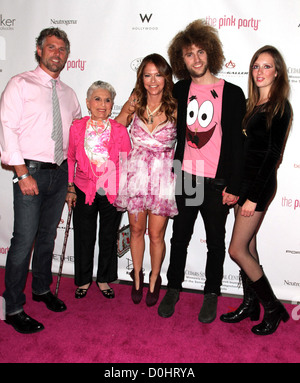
x=169, y=104
x=280, y=89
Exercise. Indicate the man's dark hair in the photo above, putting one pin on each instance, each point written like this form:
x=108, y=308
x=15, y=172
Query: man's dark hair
x=60, y=34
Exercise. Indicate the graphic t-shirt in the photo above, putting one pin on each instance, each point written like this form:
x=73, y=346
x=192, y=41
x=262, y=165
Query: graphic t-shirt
x=203, y=129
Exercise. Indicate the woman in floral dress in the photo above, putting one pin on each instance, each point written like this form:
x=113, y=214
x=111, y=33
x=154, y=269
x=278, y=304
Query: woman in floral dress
x=147, y=187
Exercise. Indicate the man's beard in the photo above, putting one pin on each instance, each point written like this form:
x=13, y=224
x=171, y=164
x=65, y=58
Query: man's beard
x=54, y=67
x=196, y=74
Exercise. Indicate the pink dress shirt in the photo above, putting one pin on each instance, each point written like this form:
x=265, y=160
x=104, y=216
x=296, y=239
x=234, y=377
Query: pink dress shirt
x=26, y=117
x=87, y=176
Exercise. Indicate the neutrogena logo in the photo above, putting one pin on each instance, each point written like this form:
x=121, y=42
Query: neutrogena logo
x=63, y=22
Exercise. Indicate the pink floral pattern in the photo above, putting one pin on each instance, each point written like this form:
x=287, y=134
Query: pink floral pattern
x=96, y=141
x=147, y=182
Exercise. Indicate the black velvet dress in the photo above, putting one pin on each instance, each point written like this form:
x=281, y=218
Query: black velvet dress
x=262, y=152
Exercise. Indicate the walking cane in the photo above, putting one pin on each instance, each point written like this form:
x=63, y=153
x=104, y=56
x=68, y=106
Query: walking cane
x=62, y=257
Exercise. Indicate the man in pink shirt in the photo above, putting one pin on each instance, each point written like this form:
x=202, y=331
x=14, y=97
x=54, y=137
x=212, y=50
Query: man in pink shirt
x=40, y=176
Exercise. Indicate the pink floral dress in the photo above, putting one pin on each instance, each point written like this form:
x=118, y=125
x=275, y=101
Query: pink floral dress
x=147, y=182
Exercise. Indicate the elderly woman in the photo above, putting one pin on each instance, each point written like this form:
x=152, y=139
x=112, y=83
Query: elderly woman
x=97, y=144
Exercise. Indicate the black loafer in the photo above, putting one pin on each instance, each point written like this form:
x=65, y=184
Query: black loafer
x=23, y=323
x=52, y=302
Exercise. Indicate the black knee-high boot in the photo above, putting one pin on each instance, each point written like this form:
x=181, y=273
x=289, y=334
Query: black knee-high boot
x=275, y=312
x=250, y=307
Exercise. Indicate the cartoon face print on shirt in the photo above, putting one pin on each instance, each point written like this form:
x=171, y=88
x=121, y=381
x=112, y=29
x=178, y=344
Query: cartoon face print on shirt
x=200, y=120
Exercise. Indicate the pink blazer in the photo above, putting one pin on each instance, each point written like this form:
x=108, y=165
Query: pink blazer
x=85, y=175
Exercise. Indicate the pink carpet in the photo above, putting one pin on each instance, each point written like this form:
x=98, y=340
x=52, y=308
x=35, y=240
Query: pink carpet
x=96, y=329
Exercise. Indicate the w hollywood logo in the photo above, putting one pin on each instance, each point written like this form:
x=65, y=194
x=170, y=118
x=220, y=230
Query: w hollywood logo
x=145, y=17
x=146, y=23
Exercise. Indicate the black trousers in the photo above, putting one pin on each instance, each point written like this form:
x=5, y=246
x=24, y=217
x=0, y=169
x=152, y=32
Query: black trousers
x=85, y=222
x=214, y=215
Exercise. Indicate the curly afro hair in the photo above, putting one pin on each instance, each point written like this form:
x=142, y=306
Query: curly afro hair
x=202, y=35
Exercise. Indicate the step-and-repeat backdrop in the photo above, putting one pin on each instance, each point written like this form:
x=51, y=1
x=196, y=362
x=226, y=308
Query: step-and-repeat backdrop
x=109, y=38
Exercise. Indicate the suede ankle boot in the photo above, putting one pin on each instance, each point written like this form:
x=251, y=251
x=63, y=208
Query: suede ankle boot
x=152, y=298
x=137, y=295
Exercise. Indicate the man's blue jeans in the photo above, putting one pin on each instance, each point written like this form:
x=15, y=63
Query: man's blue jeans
x=35, y=223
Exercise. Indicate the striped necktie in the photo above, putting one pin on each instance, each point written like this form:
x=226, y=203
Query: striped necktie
x=57, y=133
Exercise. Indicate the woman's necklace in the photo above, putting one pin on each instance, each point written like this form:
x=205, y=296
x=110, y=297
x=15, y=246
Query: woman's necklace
x=99, y=129
x=255, y=110
x=152, y=114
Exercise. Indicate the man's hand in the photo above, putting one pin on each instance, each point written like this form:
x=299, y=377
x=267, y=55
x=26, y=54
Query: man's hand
x=28, y=185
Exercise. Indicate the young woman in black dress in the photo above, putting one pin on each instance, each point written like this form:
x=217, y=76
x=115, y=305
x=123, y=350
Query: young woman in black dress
x=266, y=126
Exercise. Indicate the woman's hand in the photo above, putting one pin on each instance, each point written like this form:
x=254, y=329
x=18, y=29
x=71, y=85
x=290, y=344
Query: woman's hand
x=229, y=199
x=132, y=103
x=126, y=114
x=248, y=209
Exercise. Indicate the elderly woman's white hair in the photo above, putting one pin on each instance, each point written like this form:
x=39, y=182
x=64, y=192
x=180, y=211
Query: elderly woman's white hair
x=102, y=85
